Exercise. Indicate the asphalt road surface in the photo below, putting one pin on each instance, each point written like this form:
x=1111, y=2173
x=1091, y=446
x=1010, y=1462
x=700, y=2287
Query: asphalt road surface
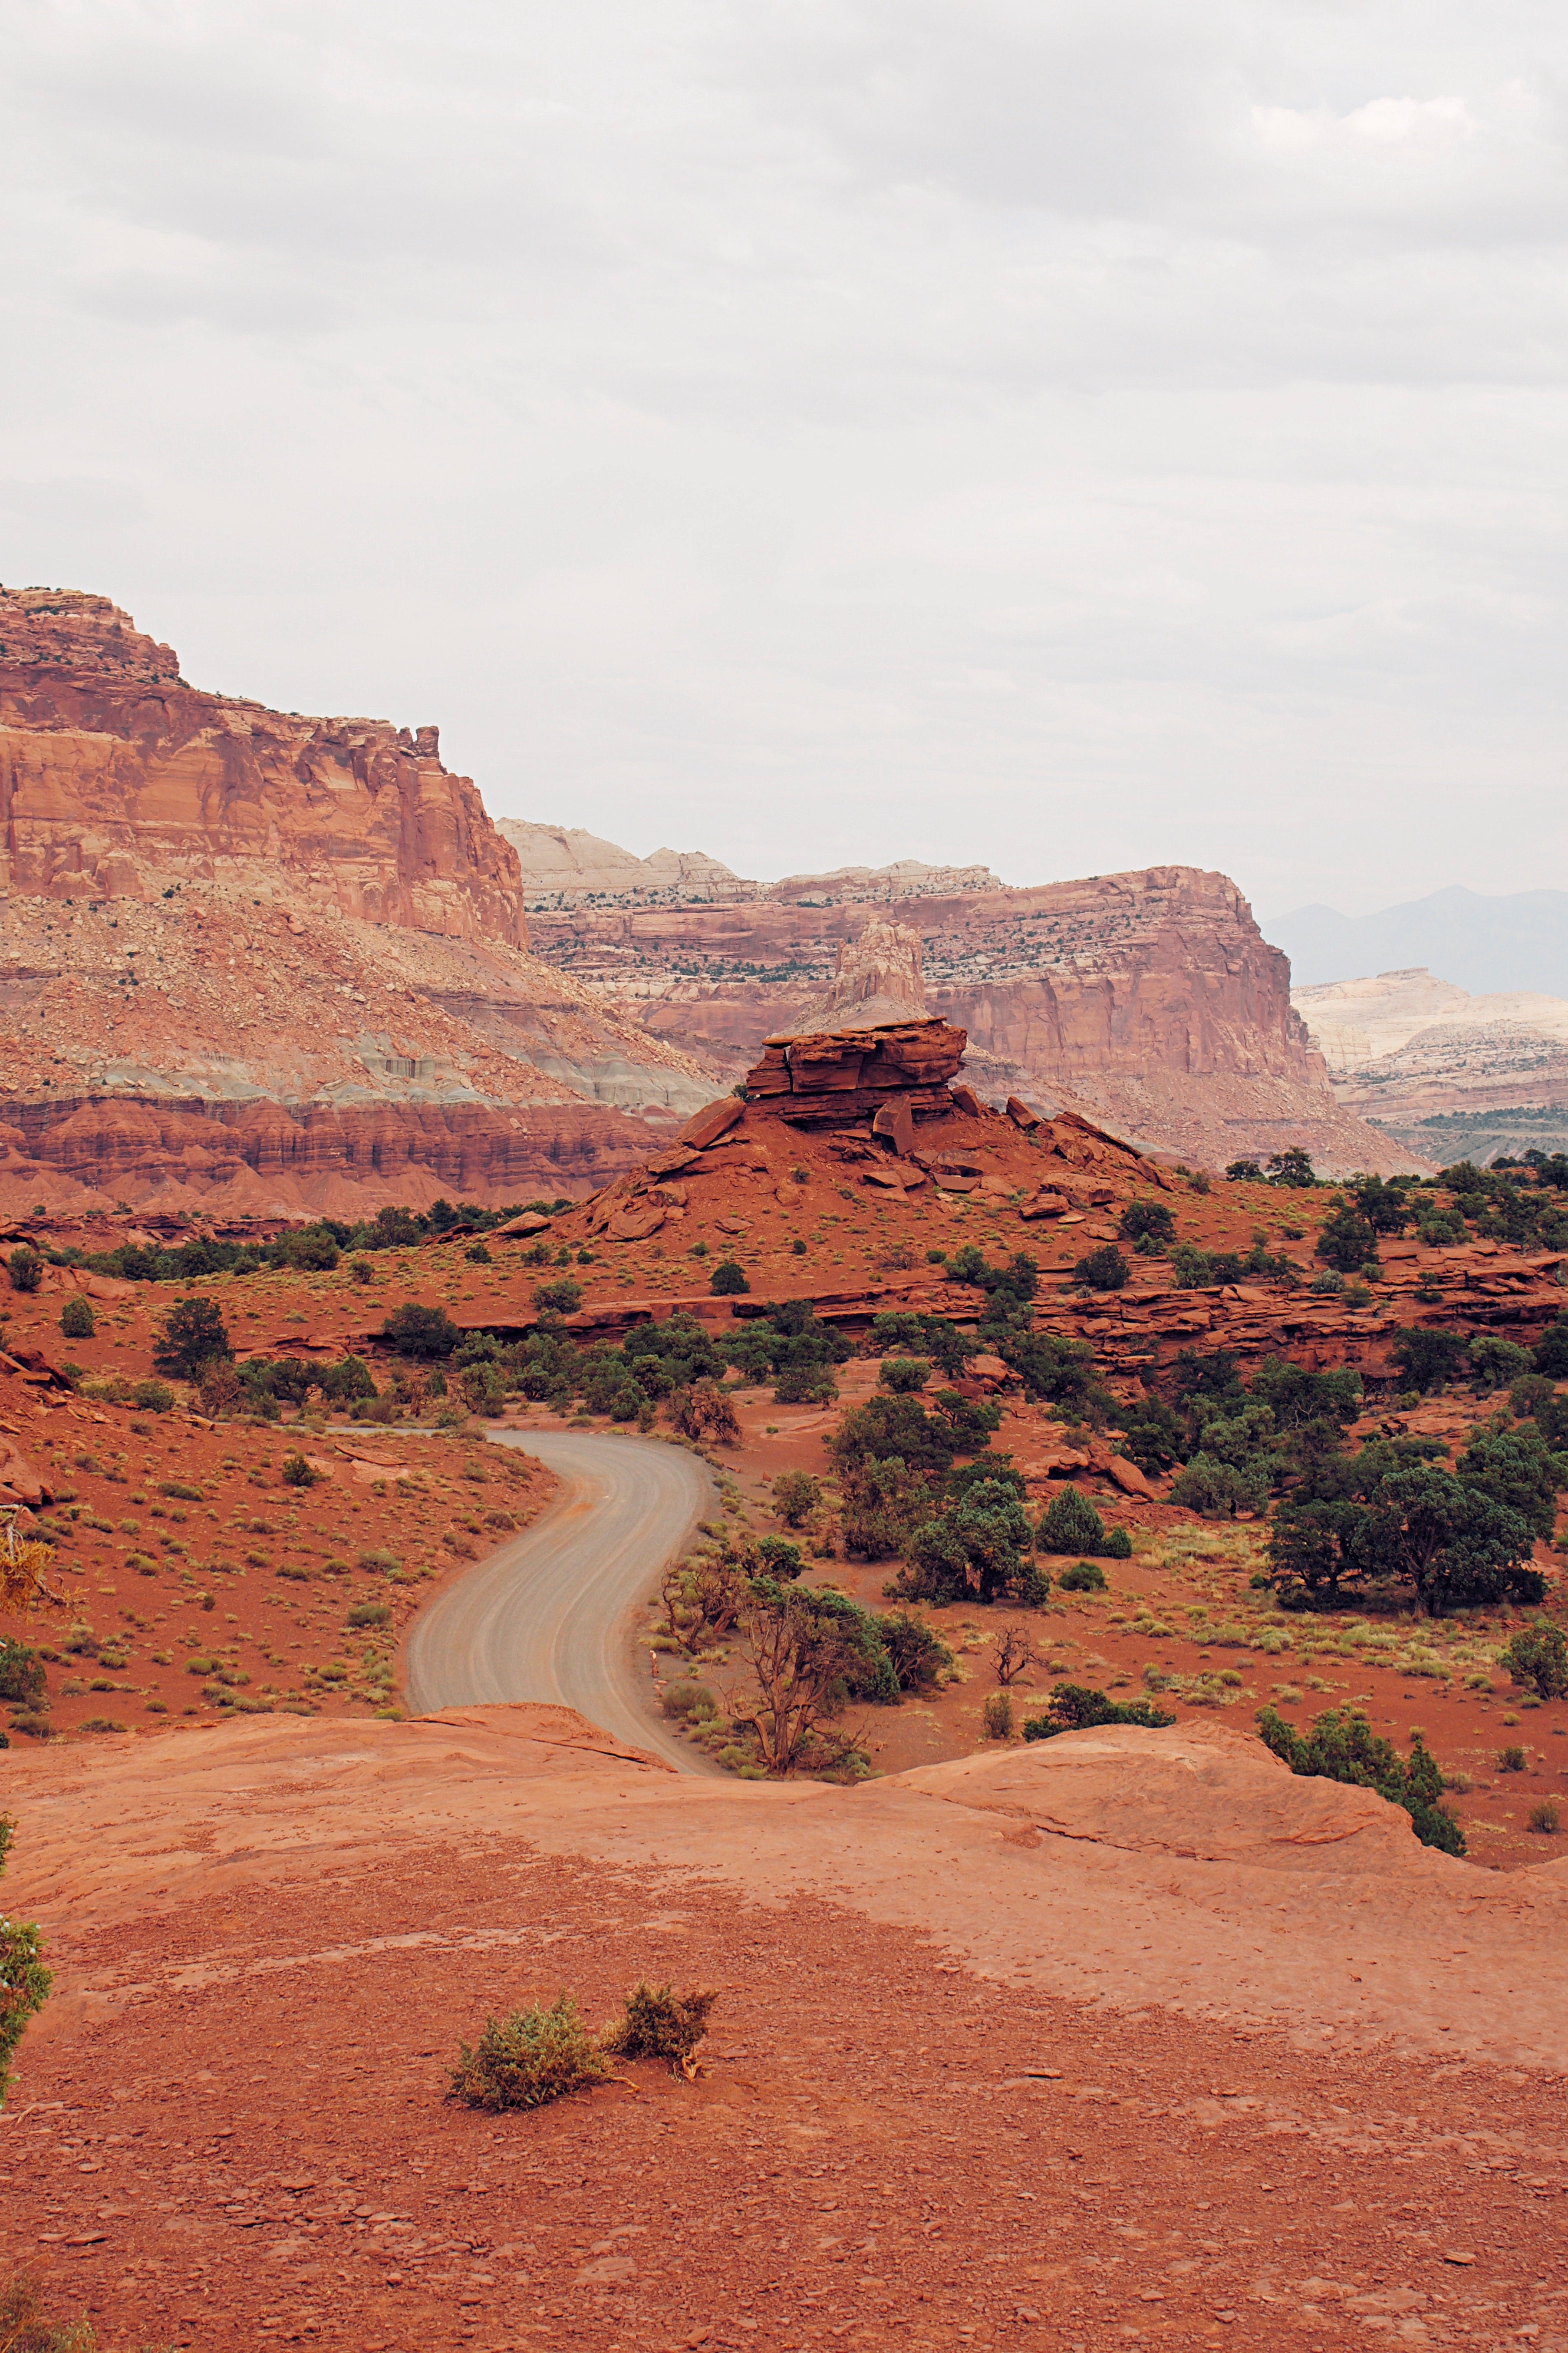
x=551, y=1615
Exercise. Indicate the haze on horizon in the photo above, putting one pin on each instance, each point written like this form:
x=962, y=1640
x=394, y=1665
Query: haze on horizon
x=1057, y=436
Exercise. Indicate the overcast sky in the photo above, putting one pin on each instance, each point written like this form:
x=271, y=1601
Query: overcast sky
x=1063, y=437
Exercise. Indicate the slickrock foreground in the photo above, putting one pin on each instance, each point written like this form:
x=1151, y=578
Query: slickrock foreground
x=1126, y=2038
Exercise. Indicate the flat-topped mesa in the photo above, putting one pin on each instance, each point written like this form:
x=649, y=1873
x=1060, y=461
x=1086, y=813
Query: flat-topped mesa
x=839, y=1078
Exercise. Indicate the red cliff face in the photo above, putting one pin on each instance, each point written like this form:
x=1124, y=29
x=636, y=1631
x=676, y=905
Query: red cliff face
x=250, y=959
x=116, y=779
x=1151, y=995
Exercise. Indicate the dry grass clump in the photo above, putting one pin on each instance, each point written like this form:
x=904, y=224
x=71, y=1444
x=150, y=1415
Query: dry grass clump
x=24, y=2327
x=534, y=2057
x=661, y=2024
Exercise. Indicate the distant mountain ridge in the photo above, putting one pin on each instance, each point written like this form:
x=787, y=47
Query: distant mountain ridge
x=1485, y=945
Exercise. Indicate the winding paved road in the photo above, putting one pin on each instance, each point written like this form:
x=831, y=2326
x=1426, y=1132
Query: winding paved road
x=548, y=1616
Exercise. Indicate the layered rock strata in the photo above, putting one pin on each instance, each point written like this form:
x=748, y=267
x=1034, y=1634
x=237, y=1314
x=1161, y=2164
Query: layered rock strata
x=212, y=905
x=1149, y=1001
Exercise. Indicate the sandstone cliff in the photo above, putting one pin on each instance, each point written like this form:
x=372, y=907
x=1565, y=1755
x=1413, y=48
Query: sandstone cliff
x=1435, y=1066
x=1149, y=998
x=212, y=905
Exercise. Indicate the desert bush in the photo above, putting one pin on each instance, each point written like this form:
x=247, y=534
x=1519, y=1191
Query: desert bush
x=796, y=1495
x=1346, y=1240
x=781, y=1560
x=24, y=1267
x=1147, y=1222
x=997, y=1715
x=727, y=1279
x=194, y=1336
x=1079, y=1708
x=1083, y=1576
x=1546, y=1817
x=1117, y=1545
x=368, y=1613
x=361, y=1270
x=560, y=1297
x=1102, y=1270
x=1538, y=1657
x=904, y=1375
x=152, y=1397
x=299, y=1473
x=478, y=1255
x=77, y=1318
x=24, y=1981
x=1551, y=1356
x=1427, y=1359
x=24, y=1679
x=919, y=1654
x=704, y=1412
x=1497, y=1363
x=688, y=1700
x=661, y=2024
x=424, y=1335
x=381, y=1561
x=1070, y=1524
x=1340, y=1745
x=528, y=2059
x=1511, y=1759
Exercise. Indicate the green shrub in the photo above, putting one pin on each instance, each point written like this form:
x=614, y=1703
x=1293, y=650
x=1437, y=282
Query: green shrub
x=1511, y=1759
x=1546, y=1817
x=24, y=1679
x=24, y=1267
x=24, y=1981
x=1118, y=1545
x=368, y=1613
x=727, y=1279
x=1149, y=1222
x=1102, y=1269
x=1079, y=1708
x=1083, y=1576
x=528, y=2059
x=423, y=1333
x=997, y=1714
x=383, y=1561
x=904, y=1375
x=1342, y=1747
x=687, y=1700
x=796, y=1495
x=919, y=1654
x=1538, y=1656
x=77, y=1318
x=661, y=2024
x=152, y=1397
x=1070, y=1524
x=299, y=1473
x=195, y=1334
x=560, y=1297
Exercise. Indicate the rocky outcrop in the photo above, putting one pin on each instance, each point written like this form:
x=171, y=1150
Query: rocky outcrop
x=1150, y=1000
x=877, y=977
x=837, y=1079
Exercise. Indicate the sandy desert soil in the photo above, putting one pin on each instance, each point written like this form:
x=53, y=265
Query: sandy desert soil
x=1132, y=2039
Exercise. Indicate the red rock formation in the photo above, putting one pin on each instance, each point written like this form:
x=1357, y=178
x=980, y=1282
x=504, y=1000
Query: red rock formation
x=1151, y=997
x=116, y=779
x=278, y=956
x=838, y=1078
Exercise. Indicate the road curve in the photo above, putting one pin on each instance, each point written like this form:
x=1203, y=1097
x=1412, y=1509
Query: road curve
x=548, y=1616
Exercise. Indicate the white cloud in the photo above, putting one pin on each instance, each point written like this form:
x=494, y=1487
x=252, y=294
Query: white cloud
x=1061, y=434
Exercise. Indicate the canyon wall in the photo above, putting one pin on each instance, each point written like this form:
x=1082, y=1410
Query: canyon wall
x=1151, y=998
